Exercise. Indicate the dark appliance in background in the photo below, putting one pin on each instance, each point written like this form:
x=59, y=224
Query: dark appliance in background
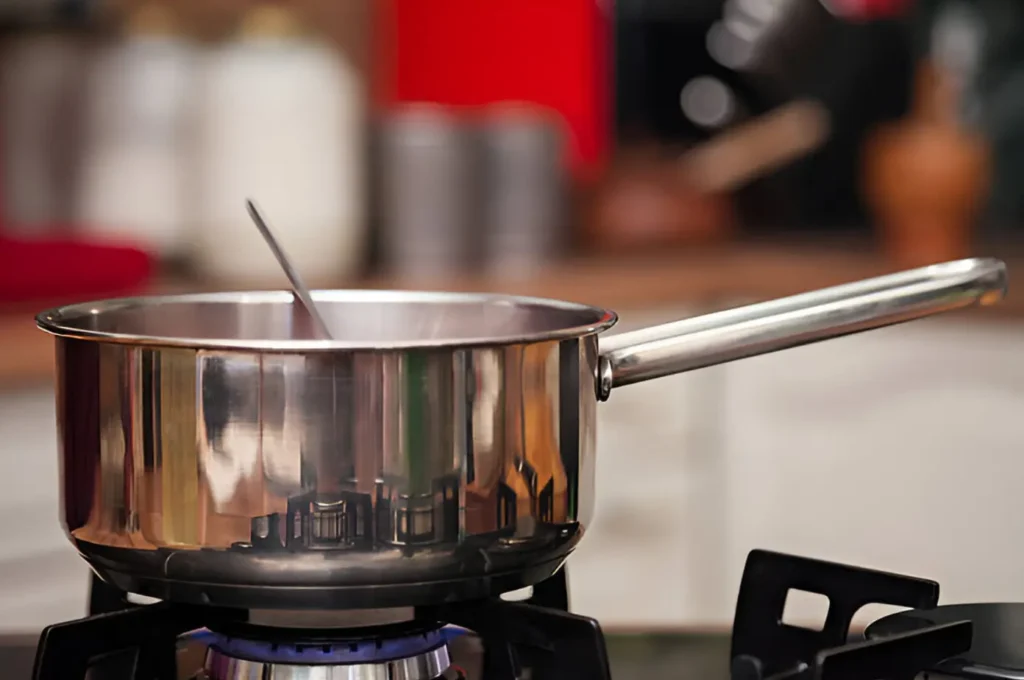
x=659, y=48
x=19, y=14
x=860, y=69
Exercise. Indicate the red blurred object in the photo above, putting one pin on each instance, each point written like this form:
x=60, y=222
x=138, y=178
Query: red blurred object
x=866, y=10
x=56, y=269
x=467, y=53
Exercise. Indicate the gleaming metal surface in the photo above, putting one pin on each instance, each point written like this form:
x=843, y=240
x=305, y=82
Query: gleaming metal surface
x=439, y=447
x=423, y=666
x=314, y=480
x=359, y=320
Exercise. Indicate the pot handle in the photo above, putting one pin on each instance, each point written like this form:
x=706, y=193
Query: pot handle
x=797, y=320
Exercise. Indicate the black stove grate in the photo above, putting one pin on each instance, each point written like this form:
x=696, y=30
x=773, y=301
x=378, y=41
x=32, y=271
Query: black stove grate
x=144, y=636
x=542, y=636
x=539, y=634
x=765, y=648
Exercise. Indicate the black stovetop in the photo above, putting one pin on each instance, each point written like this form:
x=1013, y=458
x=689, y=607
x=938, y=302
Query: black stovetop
x=498, y=640
x=676, y=655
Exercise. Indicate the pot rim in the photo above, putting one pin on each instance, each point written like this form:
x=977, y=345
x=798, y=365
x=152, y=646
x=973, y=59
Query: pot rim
x=66, y=321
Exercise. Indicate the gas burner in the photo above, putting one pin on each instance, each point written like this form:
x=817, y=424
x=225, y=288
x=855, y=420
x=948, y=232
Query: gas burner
x=478, y=640
x=997, y=651
x=408, y=652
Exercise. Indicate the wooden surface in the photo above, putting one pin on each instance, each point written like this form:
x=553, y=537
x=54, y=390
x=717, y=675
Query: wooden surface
x=739, y=272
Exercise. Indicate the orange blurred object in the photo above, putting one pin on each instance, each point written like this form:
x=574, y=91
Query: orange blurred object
x=926, y=177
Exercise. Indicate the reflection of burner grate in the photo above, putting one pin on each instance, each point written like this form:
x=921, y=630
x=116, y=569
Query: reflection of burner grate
x=316, y=522
x=405, y=519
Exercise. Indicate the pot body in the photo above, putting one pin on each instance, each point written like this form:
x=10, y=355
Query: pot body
x=358, y=478
x=433, y=447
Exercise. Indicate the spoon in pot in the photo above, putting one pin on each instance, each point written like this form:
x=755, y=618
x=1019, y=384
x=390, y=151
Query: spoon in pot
x=298, y=287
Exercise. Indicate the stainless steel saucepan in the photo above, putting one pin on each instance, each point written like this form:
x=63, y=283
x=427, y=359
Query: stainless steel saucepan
x=439, y=447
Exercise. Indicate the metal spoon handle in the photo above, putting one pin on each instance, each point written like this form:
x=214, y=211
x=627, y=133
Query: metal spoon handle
x=298, y=287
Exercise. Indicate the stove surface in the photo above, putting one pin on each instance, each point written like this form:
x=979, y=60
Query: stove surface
x=17, y=654
x=678, y=655
x=489, y=639
x=540, y=639
x=997, y=647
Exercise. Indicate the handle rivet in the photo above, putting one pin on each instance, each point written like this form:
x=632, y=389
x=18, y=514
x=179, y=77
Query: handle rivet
x=604, y=379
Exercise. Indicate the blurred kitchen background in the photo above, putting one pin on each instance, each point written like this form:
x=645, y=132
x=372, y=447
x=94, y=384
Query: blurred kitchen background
x=659, y=157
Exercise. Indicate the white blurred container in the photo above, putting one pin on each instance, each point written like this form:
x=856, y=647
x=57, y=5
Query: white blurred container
x=135, y=174
x=40, y=77
x=280, y=119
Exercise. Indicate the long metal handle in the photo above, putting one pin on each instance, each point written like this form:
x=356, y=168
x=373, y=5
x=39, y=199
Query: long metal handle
x=798, y=320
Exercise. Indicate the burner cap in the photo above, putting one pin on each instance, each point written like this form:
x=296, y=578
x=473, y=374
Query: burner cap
x=997, y=650
x=418, y=656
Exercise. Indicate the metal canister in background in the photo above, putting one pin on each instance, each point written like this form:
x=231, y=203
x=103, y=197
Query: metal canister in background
x=427, y=194
x=525, y=196
x=41, y=86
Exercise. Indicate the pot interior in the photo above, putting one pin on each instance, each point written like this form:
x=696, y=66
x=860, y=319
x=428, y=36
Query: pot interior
x=357, y=320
